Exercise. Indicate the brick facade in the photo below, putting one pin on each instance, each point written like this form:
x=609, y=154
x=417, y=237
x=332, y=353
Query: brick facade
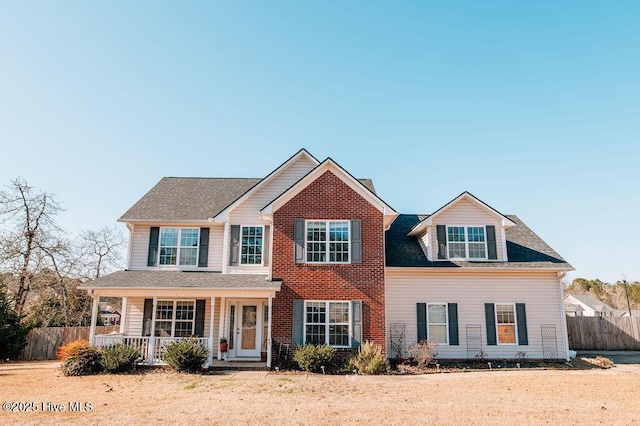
x=328, y=197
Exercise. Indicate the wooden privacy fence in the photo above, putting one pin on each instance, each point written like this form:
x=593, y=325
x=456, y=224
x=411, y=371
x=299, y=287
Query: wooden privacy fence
x=603, y=333
x=43, y=343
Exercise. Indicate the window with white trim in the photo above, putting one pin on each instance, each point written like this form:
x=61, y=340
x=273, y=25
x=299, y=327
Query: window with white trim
x=327, y=323
x=327, y=241
x=437, y=322
x=468, y=242
x=251, y=239
x=506, y=324
x=179, y=246
x=175, y=318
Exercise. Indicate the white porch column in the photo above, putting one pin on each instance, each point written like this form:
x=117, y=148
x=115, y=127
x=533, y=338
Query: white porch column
x=269, y=332
x=223, y=313
x=123, y=314
x=152, y=338
x=94, y=318
x=211, y=336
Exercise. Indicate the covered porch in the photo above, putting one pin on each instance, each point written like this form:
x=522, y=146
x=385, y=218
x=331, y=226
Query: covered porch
x=161, y=307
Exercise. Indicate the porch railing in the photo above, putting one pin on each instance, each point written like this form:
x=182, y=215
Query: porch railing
x=152, y=349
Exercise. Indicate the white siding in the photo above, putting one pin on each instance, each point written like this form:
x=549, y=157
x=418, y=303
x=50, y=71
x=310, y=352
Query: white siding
x=248, y=212
x=471, y=290
x=135, y=313
x=465, y=212
x=140, y=247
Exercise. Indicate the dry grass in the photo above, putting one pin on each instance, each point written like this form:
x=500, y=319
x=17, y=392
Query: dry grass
x=487, y=397
x=599, y=361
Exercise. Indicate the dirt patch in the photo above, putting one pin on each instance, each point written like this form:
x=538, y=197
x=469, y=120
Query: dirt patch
x=485, y=397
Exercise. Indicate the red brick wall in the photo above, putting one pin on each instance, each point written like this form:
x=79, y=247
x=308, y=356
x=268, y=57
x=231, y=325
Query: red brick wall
x=328, y=197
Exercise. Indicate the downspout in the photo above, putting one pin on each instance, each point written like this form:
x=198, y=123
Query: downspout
x=563, y=320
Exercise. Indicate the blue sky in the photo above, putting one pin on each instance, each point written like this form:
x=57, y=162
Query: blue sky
x=534, y=107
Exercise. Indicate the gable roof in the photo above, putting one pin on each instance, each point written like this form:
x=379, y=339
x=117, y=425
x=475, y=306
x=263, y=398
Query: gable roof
x=185, y=199
x=466, y=195
x=525, y=249
x=358, y=186
x=591, y=301
x=222, y=215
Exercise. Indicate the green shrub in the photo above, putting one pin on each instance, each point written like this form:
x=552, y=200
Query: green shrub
x=186, y=355
x=311, y=357
x=13, y=333
x=79, y=358
x=120, y=358
x=369, y=360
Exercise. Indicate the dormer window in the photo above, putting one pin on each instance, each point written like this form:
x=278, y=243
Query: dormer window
x=467, y=242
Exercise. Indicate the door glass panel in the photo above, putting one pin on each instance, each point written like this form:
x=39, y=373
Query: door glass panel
x=232, y=321
x=249, y=319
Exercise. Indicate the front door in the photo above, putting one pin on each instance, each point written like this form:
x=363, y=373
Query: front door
x=248, y=329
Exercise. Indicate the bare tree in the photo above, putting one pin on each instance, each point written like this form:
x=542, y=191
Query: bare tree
x=30, y=235
x=101, y=252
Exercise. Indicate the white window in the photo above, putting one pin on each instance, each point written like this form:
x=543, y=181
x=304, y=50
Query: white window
x=437, y=322
x=327, y=241
x=175, y=318
x=327, y=323
x=506, y=323
x=251, y=245
x=467, y=242
x=179, y=246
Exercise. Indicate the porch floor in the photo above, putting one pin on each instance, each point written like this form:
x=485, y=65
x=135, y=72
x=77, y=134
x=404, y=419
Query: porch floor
x=238, y=366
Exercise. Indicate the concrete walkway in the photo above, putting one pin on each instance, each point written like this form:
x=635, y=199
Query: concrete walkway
x=618, y=357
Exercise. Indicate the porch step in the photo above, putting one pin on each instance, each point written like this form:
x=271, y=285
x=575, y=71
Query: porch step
x=238, y=366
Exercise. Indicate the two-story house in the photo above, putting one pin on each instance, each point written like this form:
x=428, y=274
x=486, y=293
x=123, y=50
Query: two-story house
x=311, y=254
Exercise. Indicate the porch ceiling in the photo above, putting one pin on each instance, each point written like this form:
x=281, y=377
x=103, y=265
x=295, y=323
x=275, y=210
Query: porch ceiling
x=182, y=279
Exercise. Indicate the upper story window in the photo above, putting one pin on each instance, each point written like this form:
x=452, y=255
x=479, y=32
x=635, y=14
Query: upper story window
x=251, y=245
x=179, y=246
x=327, y=241
x=467, y=242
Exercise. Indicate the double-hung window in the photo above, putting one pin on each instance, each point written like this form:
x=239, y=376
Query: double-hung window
x=437, y=322
x=175, y=318
x=179, y=246
x=327, y=323
x=467, y=242
x=327, y=241
x=251, y=245
x=506, y=323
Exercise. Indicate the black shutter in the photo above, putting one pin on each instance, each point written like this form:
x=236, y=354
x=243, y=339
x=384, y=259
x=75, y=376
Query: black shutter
x=266, y=236
x=453, y=323
x=298, y=322
x=490, y=316
x=356, y=241
x=356, y=315
x=147, y=317
x=199, y=326
x=521, y=317
x=442, y=241
x=154, y=234
x=234, y=245
x=422, y=321
x=492, y=251
x=203, y=256
x=298, y=238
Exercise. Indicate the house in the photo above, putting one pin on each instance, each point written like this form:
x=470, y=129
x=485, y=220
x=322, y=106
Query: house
x=588, y=305
x=311, y=254
x=108, y=314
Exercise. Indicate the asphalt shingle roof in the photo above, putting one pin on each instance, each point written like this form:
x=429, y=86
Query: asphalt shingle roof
x=524, y=249
x=591, y=301
x=183, y=199
x=182, y=279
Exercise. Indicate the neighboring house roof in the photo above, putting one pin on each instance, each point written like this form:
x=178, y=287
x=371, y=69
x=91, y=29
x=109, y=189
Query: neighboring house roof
x=182, y=279
x=185, y=199
x=592, y=302
x=572, y=307
x=524, y=249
